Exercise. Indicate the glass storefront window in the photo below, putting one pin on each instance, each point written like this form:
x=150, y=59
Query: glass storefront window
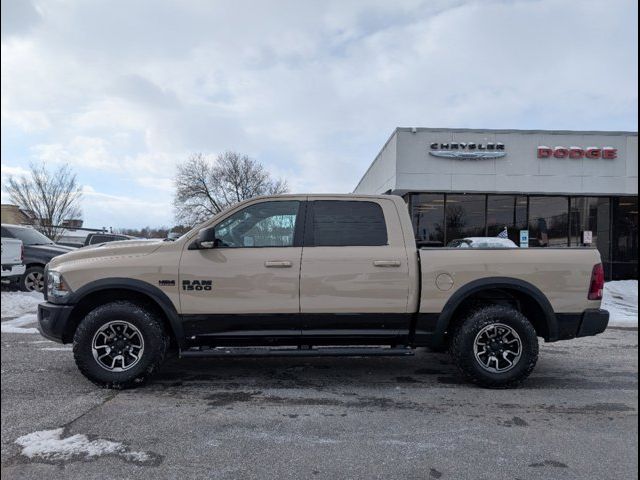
x=548, y=221
x=554, y=221
x=624, y=250
x=506, y=211
x=427, y=215
x=590, y=214
x=466, y=216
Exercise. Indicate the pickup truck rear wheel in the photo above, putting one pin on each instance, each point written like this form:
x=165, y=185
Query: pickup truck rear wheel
x=120, y=345
x=495, y=347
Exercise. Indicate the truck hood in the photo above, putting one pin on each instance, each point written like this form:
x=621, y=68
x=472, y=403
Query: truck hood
x=110, y=249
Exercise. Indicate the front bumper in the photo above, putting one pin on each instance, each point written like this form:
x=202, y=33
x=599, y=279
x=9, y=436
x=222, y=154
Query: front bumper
x=586, y=324
x=54, y=322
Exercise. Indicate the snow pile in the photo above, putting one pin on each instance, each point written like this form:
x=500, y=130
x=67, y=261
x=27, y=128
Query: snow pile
x=621, y=300
x=15, y=304
x=49, y=445
x=18, y=325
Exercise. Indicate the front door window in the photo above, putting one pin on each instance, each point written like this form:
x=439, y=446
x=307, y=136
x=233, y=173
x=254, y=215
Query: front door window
x=268, y=224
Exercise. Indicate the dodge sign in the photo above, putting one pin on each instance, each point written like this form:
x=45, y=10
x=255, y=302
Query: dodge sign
x=608, y=153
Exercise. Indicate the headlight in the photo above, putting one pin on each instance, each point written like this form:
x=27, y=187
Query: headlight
x=56, y=286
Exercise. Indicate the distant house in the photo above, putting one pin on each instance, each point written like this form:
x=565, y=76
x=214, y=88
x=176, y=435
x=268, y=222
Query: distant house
x=17, y=216
x=72, y=223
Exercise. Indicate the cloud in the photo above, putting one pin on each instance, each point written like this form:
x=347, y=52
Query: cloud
x=311, y=89
x=80, y=151
x=122, y=211
x=144, y=92
x=10, y=171
x=18, y=17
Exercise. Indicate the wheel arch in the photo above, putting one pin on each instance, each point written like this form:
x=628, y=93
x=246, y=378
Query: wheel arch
x=34, y=264
x=104, y=291
x=496, y=290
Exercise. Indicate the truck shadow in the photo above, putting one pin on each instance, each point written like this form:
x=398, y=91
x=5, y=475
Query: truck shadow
x=426, y=369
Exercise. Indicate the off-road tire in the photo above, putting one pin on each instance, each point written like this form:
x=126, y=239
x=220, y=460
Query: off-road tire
x=156, y=344
x=29, y=273
x=462, y=343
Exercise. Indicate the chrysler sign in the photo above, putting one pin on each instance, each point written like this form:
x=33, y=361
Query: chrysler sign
x=467, y=150
x=608, y=153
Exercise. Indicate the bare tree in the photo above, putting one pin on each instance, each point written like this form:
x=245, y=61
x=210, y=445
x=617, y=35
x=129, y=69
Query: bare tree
x=205, y=188
x=52, y=197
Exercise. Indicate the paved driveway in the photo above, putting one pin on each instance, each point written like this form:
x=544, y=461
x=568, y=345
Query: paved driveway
x=322, y=418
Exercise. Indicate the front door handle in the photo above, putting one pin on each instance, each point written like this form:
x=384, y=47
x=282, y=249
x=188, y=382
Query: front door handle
x=386, y=263
x=278, y=264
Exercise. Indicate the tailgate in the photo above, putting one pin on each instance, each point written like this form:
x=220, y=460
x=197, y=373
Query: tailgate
x=11, y=252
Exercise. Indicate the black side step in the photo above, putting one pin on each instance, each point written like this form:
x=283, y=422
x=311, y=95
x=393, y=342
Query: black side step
x=290, y=352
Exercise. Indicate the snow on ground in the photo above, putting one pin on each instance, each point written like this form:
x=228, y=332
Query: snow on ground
x=49, y=445
x=621, y=300
x=19, y=311
x=15, y=304
x=19, y=325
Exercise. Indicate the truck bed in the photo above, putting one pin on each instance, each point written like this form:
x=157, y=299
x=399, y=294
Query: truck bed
x=563, y=274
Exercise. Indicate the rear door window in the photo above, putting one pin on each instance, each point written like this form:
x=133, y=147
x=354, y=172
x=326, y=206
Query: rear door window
x=342, y=223
x=100, y=239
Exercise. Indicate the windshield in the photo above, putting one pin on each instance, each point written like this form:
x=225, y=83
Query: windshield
x=29, y=236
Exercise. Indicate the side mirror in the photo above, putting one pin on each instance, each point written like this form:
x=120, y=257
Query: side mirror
x=206, y=239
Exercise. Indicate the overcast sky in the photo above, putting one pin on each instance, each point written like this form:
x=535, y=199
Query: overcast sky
x=123, y=91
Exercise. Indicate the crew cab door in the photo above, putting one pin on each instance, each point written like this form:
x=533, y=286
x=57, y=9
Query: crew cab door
x=248, y=284
x=354, y=280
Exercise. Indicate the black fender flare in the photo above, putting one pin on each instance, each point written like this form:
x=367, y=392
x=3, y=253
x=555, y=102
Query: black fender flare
x=154, y=293
x=490, y=283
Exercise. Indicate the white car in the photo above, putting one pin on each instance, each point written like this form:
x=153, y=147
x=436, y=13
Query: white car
x=482, y=242
x=12, y=260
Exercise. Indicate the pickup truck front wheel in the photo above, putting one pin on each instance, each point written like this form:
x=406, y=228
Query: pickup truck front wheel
x=495, y=347
x=119, y=345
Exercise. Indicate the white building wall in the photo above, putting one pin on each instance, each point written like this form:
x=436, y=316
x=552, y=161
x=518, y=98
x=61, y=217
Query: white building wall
x=414, y=169
x=381, y=175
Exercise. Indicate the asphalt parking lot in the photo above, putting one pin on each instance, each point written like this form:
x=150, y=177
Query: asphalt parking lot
x=576, y=418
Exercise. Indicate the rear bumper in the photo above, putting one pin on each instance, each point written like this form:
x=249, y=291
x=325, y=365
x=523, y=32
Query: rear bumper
x=586, y=324
x=53, y=321
x=12, y=273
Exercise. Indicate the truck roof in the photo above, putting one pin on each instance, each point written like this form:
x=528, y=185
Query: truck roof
x=327, y=195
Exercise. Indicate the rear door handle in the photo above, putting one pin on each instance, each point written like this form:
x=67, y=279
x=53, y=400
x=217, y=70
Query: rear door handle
x=277, y=264
x=386, y=263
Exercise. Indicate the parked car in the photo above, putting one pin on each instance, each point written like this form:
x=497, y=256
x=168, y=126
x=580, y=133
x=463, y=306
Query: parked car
x=173, y=236
x=92, y=238
x=312, y=272
x=482, y=242
x=95, y=238
x=12, y=261
x=38, y=251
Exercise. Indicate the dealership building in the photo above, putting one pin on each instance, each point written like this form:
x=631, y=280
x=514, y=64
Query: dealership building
x=547, y=188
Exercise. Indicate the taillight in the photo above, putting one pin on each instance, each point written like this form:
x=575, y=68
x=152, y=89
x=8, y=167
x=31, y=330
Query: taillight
x=597, y=283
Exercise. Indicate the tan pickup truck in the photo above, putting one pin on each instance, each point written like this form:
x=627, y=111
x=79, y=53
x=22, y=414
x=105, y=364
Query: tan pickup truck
x=312, y=275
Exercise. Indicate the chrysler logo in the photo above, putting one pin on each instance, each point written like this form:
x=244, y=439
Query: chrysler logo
x=468, y=151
